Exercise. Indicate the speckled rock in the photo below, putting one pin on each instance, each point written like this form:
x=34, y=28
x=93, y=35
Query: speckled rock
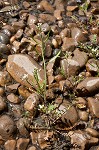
x=93, y=104
x=21, y=68
x=7, y=126
x=22, y=143
x=88, y=86
x=65, y=33
x=32, y=20
x=10, y=145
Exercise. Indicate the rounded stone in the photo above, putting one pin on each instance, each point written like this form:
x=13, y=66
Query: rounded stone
x=4, y=38
x=83, y=115
x=6, y=32
x=7, y=126
x=2, y=104
x=92, y=132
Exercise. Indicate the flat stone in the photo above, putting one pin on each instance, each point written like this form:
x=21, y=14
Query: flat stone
x=57, y=14
x=23, y=91
x=10, y=145
x=93, y=104
x=47, y=17
x=92, y=65
x=21, y=68
x=32, y=20
x=18, y=25
x=32, y=148
x=5, y=78
x=72, y=8
x=89, y=86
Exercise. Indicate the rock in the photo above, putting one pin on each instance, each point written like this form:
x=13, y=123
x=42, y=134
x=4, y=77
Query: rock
x=4, y=50
x=22, y=143
x=10, y=145
x=93, y=104
x=16, y=110
x=18, y=25
x=80, y=57
x=67, y=118
x=50, y=94
x=13, y=98
x=83, y=115
x=70, y=67
x=5, y=78
x=59, y=4
x=32, y=20
x=44, y=5
x=92, y=132
x=92, y=65
x=23, y=91
x=32, y=103
x=7, y=126
x=68, y=44
x=2, y=104
x=72, y=8
x=61, y=24
x=22, y=71
x=65, y=33
x=32, y=148
x=22, y=128
x=57, y=14
x=78, y=35
x=88, y=86
x=19, y=34
x=1, y=91
x=6, y=32
x=26, y=4
x=4, y=39
x=84, y=141
x=95, y=30
x=45, y=27
x=12, y=88
x=47, y=18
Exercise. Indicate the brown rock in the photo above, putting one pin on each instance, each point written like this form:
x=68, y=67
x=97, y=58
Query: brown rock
x=78, y=35
x=16, y=110
x=19, y=33
x=83, y=115
x=47, y=18
x=46, y=6
x=12, y=88
x=59, y=4
x=92, y=132
x=69, y=66
x=5, y=78
x=93, y=104
x=80, y=57
x=23, y=91
x=32, y=20
x=2, y=104
x=1, y=91
x=92, y=65
x=72, y=8
x=31, y=103
x=32, y=148
x=21, y=127
x=7, y=126
x=82, y=139
x=10, y=145
x=22, y=71
x=22, y=143
x=57, y=14
x=18, y=25
x=68, y=44
x=88, y=86
x=69, y=116
x=45, y=27
x=26, y=4
x=65, y=33
x=95, y=30
x=61, y=24
x=13, y=98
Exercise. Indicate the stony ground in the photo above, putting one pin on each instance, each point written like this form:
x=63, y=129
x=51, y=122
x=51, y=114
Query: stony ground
x=49, y=75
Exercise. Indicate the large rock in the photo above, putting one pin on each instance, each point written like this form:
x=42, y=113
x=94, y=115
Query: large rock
x=88, y=86
x=21, y=68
